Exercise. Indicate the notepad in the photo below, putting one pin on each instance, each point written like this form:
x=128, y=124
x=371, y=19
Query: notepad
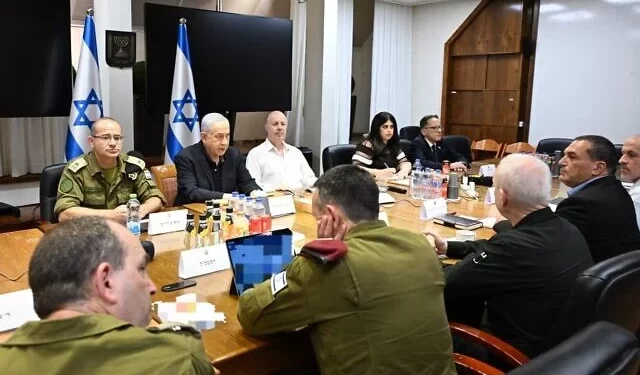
x=385, y=198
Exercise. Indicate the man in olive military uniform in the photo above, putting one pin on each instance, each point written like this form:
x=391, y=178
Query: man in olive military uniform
x=90, y=286
x=99, y=183
x=375, y=306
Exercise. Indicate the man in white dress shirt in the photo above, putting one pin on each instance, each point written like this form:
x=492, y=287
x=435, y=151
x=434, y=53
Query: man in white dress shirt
x=277, y=165
x=630, y=168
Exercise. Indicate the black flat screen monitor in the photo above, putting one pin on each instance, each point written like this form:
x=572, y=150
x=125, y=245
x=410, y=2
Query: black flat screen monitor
x=35, y=68
x=240, y=63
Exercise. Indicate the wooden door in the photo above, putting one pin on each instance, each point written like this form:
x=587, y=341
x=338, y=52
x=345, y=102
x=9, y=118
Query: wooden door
x=488, y=71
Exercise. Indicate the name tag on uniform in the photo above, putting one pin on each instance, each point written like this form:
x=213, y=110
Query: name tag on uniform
x=433, y=207
x=203, y=260
x=167, y=221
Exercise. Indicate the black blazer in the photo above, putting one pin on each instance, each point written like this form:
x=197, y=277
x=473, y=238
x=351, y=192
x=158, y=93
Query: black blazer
x=195, y=175
x=420, y=150
x=604, y=213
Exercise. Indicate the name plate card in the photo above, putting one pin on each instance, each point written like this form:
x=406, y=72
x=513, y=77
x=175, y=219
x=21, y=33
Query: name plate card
x=280, y=206
x=167, y=221
x=487, y=170
x=490, y=198
x=16, y=308
x=203, y=260
x=433, y=207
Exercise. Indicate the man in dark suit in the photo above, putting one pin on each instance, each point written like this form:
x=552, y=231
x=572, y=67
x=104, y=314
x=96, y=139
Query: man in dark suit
x=211, y=169
x=429, y=148
x=597, y=204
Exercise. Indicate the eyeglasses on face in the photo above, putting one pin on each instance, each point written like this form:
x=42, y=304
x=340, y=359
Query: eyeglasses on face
x=220, y=136
x=436, y=128
x=109, y=137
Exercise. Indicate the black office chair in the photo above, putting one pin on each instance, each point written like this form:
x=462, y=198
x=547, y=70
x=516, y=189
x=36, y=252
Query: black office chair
x=405, y=145
x=607, y=291
x=459, y=143
x=409, y=132
x=550, y=145
x=601, y=348
x=335, y=155
x=49, y=179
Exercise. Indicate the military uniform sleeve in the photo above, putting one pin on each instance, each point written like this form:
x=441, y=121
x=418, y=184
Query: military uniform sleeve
x=146, y=187
x=70, y=191
x=260, y=312
x=186, y=337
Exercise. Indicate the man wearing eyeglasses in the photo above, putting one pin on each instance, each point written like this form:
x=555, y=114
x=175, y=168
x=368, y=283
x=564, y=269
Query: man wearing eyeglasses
x=429, y=148
x=99, y=182
x=210, y=169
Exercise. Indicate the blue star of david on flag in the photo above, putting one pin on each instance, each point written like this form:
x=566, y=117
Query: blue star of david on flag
x=180, y=115
x=82, y=105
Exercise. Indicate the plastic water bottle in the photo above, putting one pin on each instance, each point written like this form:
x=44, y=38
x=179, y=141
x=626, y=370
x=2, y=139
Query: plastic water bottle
x=133, y=215
x=416, y=179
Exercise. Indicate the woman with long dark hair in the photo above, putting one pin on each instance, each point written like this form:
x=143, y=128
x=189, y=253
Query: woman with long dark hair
x=380, y=152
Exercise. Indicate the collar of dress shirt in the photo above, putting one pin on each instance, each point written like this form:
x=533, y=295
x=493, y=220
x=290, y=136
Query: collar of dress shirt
x=581, y=186
x=271, y=147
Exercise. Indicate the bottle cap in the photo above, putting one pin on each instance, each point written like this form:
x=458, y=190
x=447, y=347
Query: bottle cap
x=132, y=196
x=216, y=204
x=216, y=216
x=203, y=216
x=229, y=210
x=190, y=216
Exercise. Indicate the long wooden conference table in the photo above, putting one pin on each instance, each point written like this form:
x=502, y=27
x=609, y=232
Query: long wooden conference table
x=230, y=349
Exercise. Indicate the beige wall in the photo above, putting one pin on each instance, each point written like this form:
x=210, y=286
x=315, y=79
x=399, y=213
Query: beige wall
x=362, y=21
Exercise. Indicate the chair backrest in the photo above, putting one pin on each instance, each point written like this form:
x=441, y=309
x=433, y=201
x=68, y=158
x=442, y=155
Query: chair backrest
x=488, y=146
x=166, y=178
x=550, y=145
x=405, y=145
x=601, y=348
x=518, y=147
x=49, y=179
x=460, y=144
x=335, y=155
x=409, y=132
x=609, y=290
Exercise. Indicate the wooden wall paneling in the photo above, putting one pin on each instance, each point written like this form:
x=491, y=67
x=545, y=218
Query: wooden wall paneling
x=464, y=106
x=473, y=39
x=503, y=72
x=500, y=108
x=503, y=26
x=503, y=134
x=469, y=72
x=474, y=132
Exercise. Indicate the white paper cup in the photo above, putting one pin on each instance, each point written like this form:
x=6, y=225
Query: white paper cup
x=465, y=235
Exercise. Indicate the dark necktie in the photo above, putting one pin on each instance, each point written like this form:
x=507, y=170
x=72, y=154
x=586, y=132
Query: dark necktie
x=435, y=154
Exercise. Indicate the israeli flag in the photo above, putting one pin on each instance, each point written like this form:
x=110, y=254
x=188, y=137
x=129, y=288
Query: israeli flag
x=86, y=104
x=184, y=123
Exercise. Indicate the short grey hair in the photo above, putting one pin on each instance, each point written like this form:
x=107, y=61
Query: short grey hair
x=210, y=119
x=526, y=179
x=65, y=258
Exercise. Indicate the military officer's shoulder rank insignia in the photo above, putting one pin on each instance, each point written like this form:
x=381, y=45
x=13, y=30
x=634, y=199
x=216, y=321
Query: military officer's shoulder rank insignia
x=134, y=160
x=78, y=164
x=324, y=251
x=175, y=327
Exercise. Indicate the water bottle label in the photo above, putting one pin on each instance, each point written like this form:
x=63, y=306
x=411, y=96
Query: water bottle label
x=134, y=227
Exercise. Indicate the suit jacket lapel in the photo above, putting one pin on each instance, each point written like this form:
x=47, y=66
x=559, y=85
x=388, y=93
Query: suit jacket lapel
x=205, y=166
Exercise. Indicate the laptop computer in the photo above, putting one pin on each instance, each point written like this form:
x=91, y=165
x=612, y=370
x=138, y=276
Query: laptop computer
x=255, y=258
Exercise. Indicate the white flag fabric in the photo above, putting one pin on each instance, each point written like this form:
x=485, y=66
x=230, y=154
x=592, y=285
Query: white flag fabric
x=86, y=103
x=184, y=123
